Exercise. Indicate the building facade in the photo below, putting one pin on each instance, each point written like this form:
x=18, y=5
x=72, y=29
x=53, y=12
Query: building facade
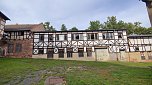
x=3, y=19
x=140, y=47
x=32, y=41
x=18, y=39
x=80, y=45
x=101, y=45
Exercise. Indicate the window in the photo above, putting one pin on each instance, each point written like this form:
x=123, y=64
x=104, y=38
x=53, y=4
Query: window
x=20, y=33
x=142, y=56
x=136, y=48
x=149, y=55
x=50, y=53
x=77, y=36
x=50, y=37
x=18, y=48
x=80, y=52
x=120, y=35
x=41, y=37
x=69, y=54
x=61, y=53
x=107, y=35
x=89, y=52
x=10, y=48
x=41, y=51
x=61, y=37
x=92, y=36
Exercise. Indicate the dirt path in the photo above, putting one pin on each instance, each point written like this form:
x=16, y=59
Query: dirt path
x=35, y=77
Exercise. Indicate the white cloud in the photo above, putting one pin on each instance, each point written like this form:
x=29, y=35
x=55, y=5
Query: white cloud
x=73, y=12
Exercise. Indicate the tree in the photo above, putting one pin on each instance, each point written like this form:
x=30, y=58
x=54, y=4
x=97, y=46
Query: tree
x=111, y=23
x=73, y=29
x=48, y=27
x=94, y=25
x=63, y=27
x=132, y=28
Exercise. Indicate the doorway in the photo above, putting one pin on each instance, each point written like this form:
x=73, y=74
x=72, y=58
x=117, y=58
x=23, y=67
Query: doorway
x=50, y=53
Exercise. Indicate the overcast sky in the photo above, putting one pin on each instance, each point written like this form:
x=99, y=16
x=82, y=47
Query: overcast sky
x=73, y=12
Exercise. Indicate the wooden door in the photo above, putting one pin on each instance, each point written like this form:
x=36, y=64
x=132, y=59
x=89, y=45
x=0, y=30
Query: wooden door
x=50, y=54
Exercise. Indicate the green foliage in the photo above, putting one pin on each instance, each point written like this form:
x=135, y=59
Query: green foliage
x=63, y=27
x=94, y=25
x=132, y=28
x=73, y=29
x=48, y=27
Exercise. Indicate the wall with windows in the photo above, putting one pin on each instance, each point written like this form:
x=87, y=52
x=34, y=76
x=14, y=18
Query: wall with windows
x=2, y=25
x=79, y=45
x=18, y=49
x=82, y=45
x=140, y=43
x=19, y=35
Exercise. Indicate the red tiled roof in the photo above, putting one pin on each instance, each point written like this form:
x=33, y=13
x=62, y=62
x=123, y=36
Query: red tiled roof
x=32, y=27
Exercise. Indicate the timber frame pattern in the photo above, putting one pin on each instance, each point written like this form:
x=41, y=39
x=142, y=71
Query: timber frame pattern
x=115, y=42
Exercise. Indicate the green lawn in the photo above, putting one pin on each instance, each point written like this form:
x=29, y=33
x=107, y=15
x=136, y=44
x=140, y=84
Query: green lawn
x=18, y=71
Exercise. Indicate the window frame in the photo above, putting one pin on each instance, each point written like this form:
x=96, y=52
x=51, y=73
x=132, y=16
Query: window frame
x=61, y=53
x=95, y=36
x=120, y=34
x=10, y=48
x=89, y=51
x=58, y=37
x=108, y=35
x=41, y=38
x=18, y=48
x=81, y=53
x=50, y=37
x=21, y=33
x=40, y=51
x=79, y=35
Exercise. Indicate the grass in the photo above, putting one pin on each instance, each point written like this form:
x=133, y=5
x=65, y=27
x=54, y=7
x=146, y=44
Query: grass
x=14, y=71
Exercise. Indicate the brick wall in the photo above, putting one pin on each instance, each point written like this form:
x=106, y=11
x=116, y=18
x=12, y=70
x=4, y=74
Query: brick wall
x=26, y=51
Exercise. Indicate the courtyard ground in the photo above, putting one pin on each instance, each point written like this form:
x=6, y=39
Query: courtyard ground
x=36, y=71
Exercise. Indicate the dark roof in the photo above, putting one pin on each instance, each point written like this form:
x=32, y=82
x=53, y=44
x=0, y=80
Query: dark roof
x=14, y=30
x=80, y=31
x=138, y=36
x=4, y=16
x=17, y=27
x=147, y=0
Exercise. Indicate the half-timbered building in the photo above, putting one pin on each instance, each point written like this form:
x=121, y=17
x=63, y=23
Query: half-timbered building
x=3, y=19
x=17, y=41
x=140, y=47
x=97, y=45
